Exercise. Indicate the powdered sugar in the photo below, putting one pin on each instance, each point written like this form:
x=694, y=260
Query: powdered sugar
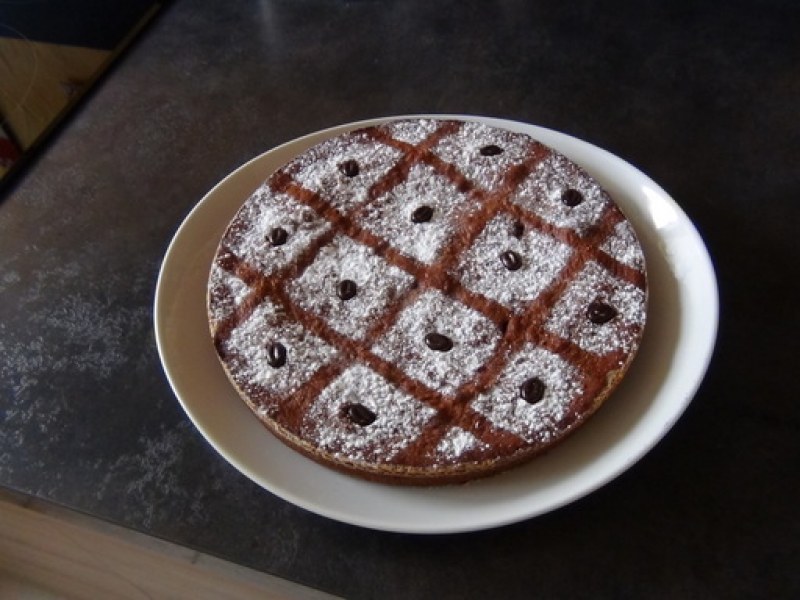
x=474, y=340
x=378, y=284
x=541, y=192
x=228, y=292
x=390, y=215
x=594, y=283
x=506, y=409
x=411, y=132
x=463, y=149
x=399, y=417
x=265, y=211
x=624, y=246
x=455, y=444
x=249, y=342
x=481, y=269
x=319, y=170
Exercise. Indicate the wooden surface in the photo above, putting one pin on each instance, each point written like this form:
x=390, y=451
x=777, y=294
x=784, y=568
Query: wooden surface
x=48, y=552
x=39, y=81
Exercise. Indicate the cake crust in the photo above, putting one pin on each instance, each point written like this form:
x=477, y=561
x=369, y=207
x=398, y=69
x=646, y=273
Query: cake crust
x=427, y=301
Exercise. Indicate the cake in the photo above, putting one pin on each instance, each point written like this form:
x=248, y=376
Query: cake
x=427, y=301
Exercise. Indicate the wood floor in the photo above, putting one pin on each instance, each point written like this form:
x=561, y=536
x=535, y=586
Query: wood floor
x=47, y=553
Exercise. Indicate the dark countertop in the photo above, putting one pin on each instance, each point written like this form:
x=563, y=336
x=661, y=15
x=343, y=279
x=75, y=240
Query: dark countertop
x=701, y=96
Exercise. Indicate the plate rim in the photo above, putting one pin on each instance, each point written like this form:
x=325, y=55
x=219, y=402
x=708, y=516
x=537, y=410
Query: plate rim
x=712, y=315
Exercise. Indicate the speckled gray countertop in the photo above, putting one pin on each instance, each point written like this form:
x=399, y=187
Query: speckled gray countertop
x=701, y=96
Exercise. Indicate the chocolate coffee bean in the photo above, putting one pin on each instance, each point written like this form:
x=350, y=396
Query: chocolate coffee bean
x=491, y=150
x=511, y=260
x=600, y=312
x=439, y=342
x=276, y=355
x=571, y=197
x=423, y=214
x=347, y=289
x=278, y=236
x=359, y=414
x=349, y=168
x=532, y=390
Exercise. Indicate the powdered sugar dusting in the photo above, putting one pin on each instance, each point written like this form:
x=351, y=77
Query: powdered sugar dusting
x=411, y=132
x=624, y=246
x=390, y=215
x=594, y=283
x=399, y=417
x=228, y=292
x=542, y=190
x=463, y=149
x=455, y=444
x=247, y=235
x=268, y=323
x=481, y=269
x=474, y=340
x=378, y=284
x=319, y=169
x=505, y=408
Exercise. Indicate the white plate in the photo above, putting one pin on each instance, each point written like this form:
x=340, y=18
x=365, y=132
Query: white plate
x=677, y=346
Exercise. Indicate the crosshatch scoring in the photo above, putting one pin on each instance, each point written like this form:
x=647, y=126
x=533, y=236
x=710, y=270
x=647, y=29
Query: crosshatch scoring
x=427, y=300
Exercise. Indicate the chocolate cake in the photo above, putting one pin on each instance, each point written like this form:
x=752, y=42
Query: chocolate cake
x=427, y=301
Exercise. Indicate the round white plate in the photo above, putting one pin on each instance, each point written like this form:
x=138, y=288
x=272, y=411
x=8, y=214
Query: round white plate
x=677, y=346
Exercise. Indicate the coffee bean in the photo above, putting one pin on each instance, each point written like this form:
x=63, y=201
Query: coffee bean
x=347, y=289
x=349, y=168
x=276, y=355
x=571, y=197
x=439, y=342
x=491, y=150
x=600, y=312
x=511, y=260
x=359, y=414
x=517, y=229
x=422, y=214
x=278, y=236
x=532, y=390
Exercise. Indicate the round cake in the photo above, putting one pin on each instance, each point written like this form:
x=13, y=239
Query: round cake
x=427, y=301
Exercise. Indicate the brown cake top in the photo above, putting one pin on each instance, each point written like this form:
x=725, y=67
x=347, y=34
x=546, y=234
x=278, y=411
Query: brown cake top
x=427, y=294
